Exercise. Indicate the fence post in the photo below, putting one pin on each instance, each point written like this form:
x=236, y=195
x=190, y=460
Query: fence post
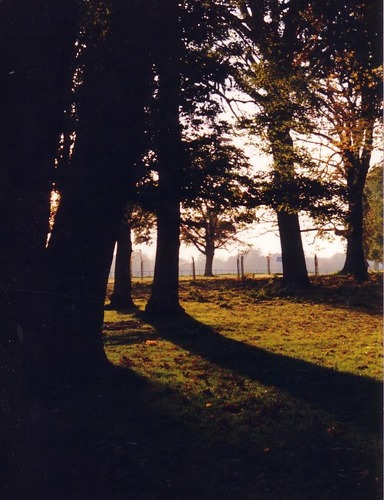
x=242, y=266
x=141, y=266
x=268, y=264
x=316, y=266
x=193, y=270
x=238, y=266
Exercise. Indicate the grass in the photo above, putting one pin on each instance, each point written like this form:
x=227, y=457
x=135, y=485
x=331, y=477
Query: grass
x=258, y=392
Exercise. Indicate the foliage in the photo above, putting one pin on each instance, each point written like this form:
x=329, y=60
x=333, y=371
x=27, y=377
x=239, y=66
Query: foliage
x=215, y=192
x=349, y=96
x=373, y=220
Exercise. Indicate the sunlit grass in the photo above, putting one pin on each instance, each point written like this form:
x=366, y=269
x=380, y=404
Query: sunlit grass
x=268, y=431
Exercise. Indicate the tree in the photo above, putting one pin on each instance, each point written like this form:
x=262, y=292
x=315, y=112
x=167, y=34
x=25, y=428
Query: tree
x=214, y=196
x=373, y=215
x=139, y=222
x=36, y=65
x=37, y=47
x=164, y=293
x=264, y=65
x=184, y=75
x=349, y=97
x=108, y=141
x=54, y=296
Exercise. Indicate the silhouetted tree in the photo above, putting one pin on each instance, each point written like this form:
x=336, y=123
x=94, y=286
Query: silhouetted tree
x=346, y=39
x=111, y=117
x=264, y=65
x=215, y=196
x=139, y=223
x=164, y=297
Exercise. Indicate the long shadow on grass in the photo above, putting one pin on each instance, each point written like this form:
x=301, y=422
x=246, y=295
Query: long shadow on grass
x=349, y=397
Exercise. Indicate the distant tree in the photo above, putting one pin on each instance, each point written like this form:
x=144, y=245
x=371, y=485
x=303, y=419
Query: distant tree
x=215, y=188
x=209, y=228
x=373, y=215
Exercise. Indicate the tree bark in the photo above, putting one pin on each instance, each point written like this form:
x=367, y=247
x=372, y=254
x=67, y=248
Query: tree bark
x=121, y=297
x=209, y=255
x=37, y=44
x=164, y=297
x=355, y=261
x=111, y=113
x=294, y=267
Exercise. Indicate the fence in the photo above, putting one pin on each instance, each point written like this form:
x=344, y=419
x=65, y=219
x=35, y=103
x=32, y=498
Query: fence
x=269, y=267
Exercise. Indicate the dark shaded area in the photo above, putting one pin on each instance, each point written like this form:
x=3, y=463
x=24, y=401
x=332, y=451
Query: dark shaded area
x=125, y=438
x=349, y=397
x=120, y=439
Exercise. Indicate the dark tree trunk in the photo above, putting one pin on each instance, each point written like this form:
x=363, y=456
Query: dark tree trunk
x=294, y=266
x=121, y=297
x=355, y=261
x=52, y=301
x=209, y=255
x=164, y=297
x=37, y=44
x=108, y=143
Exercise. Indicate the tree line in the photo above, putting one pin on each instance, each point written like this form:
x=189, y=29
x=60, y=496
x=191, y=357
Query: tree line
x=117, y=108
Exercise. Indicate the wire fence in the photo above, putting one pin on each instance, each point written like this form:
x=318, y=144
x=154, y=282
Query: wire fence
x=269, y=269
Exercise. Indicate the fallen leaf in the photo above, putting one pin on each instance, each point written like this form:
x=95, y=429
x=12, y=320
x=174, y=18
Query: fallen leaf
x=151, y=342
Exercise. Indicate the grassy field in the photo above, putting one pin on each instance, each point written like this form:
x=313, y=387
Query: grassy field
x=257, y=393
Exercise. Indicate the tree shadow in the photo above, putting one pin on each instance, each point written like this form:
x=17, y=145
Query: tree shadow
x=351, y=398
x=120, y=439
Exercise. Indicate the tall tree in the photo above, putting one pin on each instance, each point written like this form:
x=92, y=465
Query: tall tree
x=264, y=65
x=346, y=39
x=111, y=115
x=184, y=75
x=36, y=67
x=164, y=297
x=37, y=47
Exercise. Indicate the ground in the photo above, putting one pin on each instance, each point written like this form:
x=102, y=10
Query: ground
x=259, y=392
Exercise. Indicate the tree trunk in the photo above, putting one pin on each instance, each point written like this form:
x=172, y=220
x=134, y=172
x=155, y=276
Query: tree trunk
x=121, y=297
x=111, y=109
x=355, y=262
x=37, y=44
x=164, y=297
x=294, y=266
x=209, y=255
x=37, y=47
x=52, y=300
